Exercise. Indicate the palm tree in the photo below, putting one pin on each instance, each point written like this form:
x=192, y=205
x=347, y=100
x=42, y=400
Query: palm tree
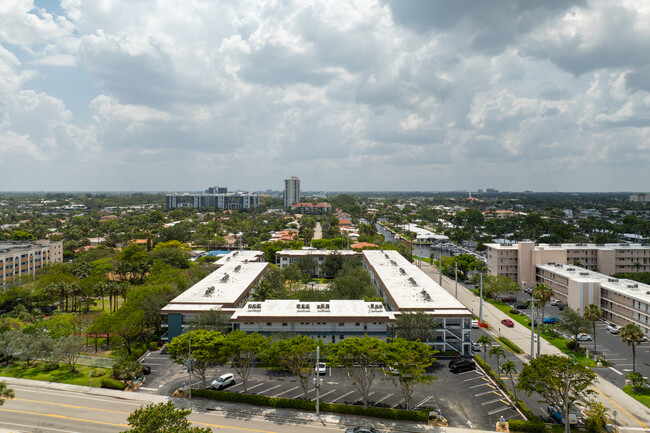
x=5, y=393
x=543, y=294
x=632, y=334
x=484, y=341
x=498, y=353
x=508, y=368
x=593, y=313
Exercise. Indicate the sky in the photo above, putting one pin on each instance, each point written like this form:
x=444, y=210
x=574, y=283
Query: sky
x=390, y=95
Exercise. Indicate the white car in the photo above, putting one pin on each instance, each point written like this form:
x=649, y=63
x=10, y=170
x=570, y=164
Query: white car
x=474, y=323
x=476, y=347
x=614, y=329
x=321, y=368
x=583, y=337
x=223, y=381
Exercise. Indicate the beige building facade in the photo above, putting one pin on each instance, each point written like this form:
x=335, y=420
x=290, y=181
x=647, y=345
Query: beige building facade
x=518, y=261
x=26, y=258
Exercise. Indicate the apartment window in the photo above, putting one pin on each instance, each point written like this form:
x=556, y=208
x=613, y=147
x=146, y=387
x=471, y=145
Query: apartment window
x=341, y=324
x=357, y=324
x=268, y=323
x=284, y=324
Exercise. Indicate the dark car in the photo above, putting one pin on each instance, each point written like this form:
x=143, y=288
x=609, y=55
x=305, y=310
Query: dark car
x=146, y=369
x=458, y=365
x=521, y=306
x=362, y=429
x=508, y=299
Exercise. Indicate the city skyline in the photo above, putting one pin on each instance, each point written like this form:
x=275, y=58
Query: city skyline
x=370, y=95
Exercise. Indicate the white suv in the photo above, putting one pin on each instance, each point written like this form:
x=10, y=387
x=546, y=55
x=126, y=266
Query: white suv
x=223, y=381
x=614, y=329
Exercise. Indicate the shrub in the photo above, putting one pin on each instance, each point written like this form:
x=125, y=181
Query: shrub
x=512, y=346
x=515, y=312
x=110, y=383
x=534, y=426
x=126, y=370
x=98, y=372
x=571, y=345
x=50, y=366
x=153, y=345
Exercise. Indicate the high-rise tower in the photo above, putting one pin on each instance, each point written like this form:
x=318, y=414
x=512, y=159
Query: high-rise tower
x=291, y=191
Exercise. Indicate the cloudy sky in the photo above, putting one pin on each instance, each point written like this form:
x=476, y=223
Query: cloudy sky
x=360, y=95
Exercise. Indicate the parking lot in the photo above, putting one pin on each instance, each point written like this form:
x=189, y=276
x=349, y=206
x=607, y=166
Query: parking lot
x=468, y=396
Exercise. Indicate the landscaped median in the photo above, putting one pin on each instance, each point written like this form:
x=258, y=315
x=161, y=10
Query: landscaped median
x=307, y=405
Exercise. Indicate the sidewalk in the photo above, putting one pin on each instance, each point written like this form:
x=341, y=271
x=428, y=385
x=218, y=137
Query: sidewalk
x=275, y=415
x=631, y=415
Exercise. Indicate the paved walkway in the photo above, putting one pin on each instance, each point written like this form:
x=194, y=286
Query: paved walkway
x=630, y=414
x=274, y=415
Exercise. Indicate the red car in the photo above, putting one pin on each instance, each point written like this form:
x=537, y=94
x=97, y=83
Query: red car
x=508, y=323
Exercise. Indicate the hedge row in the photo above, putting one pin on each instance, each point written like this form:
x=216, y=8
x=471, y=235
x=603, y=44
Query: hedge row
x=110, y=383
x=261, y=400
x=532, y=426
x=510, y=344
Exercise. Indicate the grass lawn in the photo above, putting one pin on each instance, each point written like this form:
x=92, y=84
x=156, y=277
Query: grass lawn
x=642, y=396
x=61, y=375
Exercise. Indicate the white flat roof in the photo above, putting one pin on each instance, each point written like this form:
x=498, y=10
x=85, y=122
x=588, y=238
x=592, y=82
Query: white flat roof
x=290, y=308
x=622, y=246
x=315, y=252
x=634, y=289
x=227, y=285
x=409, y=286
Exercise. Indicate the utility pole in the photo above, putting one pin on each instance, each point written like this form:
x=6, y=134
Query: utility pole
x=189, y=367
x=456, y=277
x=480, y=305
x=317, y=380
x=532, y=329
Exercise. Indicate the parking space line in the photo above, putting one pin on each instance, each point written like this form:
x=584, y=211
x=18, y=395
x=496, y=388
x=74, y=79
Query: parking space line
x=480, y=384
x=361, y=399
x=397, y=404
x=498, y=410
x=284, y=392
x=383, y=398
x=344, y=395
x=254, y=386
x=473, y=378
x=423, y=401
x=485, y=403
x=323, y=395
x=487, y=392
x=269, y=389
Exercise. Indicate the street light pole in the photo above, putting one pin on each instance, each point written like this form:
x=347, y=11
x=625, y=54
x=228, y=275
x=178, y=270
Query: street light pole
x=567, y=428
x=480, y=305
x=532, y=329
x=456, y=277
x=317, y=380
x=189, y=367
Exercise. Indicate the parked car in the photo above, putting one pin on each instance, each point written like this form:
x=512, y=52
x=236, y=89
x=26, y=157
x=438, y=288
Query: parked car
x=321, y=368
x=362, y=429
x=508, y=299
x=521, y=306
x=556, y=302
x=474, y=323
x=223, y=381
x=550, y=320
x=476, y=347
x=583, y=337
x=509, y=323
x=458, y=365
x=146, y=369
x=614, y=329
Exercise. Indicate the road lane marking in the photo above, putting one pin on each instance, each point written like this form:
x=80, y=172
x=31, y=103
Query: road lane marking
x=34, y=427
x=54, y=415
x=615, y=404
x=615, y=371
x=72, y=406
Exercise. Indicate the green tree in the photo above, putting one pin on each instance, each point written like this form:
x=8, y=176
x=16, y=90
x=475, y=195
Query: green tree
x=497, y=353
x=68, y=349
x=242, y=349
x=573, y=323
x=632, y=334
x=416, y=326
x=162, y=418
x=509, y=368
x=543, y=294
x=484, y=341
x=409, y=361
x=174, y=253
x=596, y=419
x=557, y=380
x=127, y=326
x=352, y=283
x=297, y=356
x=593, y=313
x=495, y=284
x=637, y=381
x=206, y=351
x=150, y=299
x=5, y=393
x=308, y=265
x=358, y=356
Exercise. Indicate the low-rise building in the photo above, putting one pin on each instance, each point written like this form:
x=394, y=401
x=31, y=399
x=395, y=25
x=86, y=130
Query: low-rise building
x=330, y=321
x=230, y=201
x=312, y=209
x=622, y=301
x=26, y=258
x=285, y=258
